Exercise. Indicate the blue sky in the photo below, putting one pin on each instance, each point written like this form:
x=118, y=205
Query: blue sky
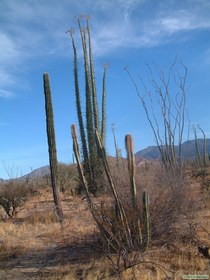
x=124, y=33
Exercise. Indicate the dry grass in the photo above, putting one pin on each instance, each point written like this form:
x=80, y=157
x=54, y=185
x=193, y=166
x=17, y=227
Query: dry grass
x=33, y=246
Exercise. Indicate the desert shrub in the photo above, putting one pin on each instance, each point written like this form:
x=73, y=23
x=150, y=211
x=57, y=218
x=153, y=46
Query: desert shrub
x=68, y=177
x=172, y=214
x=201, y=172
x=173, y=208
x=13, y=195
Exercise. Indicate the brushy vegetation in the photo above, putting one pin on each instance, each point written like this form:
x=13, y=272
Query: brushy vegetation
x=143, y=218
x=134, y=222
x=13, y=195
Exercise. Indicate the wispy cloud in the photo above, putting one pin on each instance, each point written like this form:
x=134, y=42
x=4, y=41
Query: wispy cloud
x=183, y=21
x=36, y=30
x=132, y=29
x=6, y=94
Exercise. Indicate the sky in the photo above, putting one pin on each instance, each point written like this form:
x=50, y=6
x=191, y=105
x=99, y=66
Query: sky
x=125, y=33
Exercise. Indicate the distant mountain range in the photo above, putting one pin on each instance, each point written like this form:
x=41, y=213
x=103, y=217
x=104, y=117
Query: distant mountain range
x=188, y=150
x=150, y=153
x=36, y=173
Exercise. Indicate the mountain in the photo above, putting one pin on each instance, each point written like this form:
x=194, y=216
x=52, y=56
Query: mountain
x=188, y=150
x=150, y=153
x=37, y=173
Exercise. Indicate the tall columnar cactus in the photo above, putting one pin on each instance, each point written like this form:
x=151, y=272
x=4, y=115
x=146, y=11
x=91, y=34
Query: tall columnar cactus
x=52, y=146
x=103, y=108
x=93, y=84
x=205, y=153
x=91, y=156
x=117, y=150
x=198, y=156
x=146, y=218
x=131, y=168
x=89, y=116
x=89, y=108
x=79, y=109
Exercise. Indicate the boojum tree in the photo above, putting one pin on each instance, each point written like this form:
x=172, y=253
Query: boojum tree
x=92, y=122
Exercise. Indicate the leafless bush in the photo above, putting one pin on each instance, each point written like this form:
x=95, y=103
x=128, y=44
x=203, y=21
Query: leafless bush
x=173, y=209
x=13, y=195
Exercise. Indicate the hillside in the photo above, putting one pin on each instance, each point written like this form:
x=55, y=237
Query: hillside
x=149, y=153
x=188, y=150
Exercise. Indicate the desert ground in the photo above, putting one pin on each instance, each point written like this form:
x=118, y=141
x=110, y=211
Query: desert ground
x=33, y=245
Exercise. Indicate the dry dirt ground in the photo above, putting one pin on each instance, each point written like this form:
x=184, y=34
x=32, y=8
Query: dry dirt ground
x=33, y=246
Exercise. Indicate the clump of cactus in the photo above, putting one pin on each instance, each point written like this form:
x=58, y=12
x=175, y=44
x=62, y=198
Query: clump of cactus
x=52, y=147
x=92, y=123
x=124, y=229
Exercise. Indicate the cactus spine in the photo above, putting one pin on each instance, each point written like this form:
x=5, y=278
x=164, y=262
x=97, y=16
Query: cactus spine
x=52, y=147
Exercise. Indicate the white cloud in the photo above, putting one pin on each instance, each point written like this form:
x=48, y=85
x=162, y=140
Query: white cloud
x=183, y=21
x=35, y=30
x=6, y=94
